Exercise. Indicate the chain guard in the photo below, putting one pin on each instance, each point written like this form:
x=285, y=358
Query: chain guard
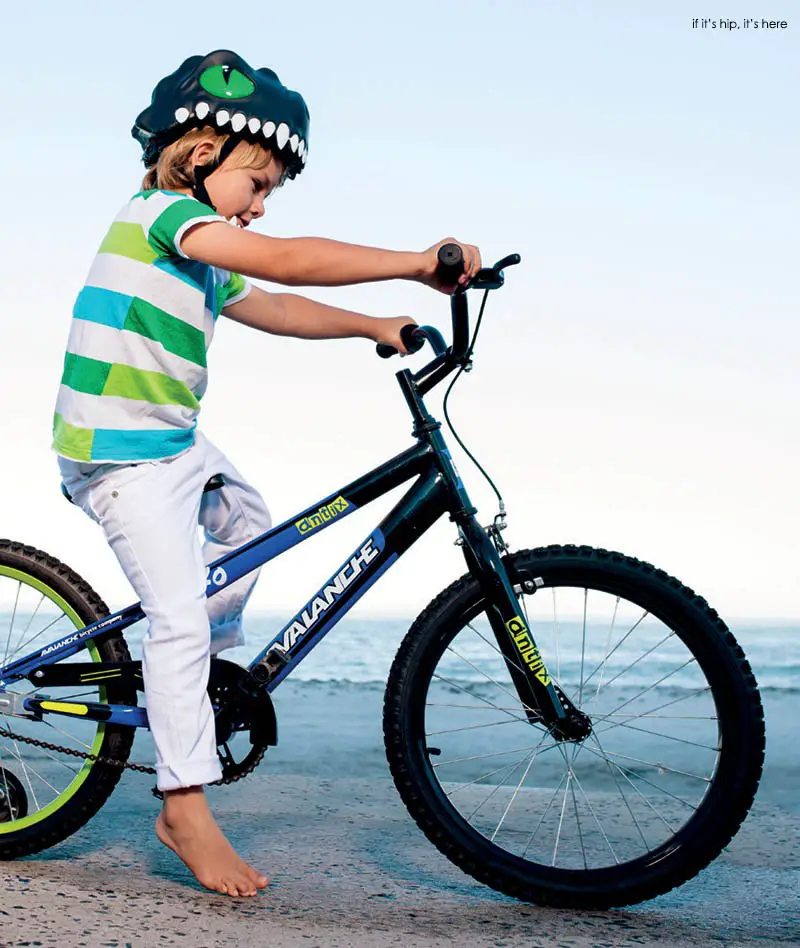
x=240, y=704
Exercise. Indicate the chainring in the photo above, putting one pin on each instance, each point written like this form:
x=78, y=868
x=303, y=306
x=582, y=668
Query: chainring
x=240, y=703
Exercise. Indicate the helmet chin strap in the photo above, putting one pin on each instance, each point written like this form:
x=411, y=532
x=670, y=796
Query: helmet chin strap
x=201, y=172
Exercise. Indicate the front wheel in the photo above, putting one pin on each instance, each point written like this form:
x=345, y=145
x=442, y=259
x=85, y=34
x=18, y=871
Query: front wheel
x=654, y=792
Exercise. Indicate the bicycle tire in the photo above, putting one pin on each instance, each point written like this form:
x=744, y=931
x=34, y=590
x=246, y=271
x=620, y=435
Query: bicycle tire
x=699, y=631
x=52, y=580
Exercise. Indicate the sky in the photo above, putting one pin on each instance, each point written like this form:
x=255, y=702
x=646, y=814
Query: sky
x=635, y=383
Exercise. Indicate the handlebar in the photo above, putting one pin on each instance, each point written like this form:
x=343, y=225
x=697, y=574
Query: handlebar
x=450, y=268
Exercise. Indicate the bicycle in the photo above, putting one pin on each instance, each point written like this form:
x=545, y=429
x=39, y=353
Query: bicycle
x=517, y=710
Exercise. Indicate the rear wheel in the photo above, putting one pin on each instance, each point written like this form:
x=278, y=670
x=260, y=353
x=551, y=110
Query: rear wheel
x=648, y=799
x=46, y=795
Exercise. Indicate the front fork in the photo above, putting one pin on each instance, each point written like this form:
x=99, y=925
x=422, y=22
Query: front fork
x=543, y=701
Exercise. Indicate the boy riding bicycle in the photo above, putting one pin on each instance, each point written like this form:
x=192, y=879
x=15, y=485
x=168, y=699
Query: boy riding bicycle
x=218, y=138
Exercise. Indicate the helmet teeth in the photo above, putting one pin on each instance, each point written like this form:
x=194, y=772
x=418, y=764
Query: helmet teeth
x=293, y=142
x=269, y=129
x=303, y=157
x=254, y=125
x=301, y=148
x=222, y=117
x=282, y=135
x=182, y=114
x=238, y=122
x=201, y=110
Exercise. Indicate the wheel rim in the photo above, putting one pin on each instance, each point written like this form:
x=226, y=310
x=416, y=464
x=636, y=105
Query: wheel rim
x=622, y=796
x=31, y=615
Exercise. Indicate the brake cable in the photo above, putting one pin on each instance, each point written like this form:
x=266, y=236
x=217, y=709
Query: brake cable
x=500, y=520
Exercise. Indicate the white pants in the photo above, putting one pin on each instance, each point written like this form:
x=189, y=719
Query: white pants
x=150, y=513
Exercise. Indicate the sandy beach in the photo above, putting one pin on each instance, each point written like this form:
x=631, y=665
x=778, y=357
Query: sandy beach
x=349, y=868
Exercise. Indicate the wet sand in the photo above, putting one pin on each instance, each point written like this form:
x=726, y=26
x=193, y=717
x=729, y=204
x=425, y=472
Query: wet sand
x=349, y=868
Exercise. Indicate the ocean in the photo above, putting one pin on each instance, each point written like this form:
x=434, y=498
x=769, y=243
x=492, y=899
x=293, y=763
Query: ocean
x=330, y=709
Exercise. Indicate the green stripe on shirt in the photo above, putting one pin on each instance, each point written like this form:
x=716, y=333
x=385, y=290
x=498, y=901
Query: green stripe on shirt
x=154, y=387
x=128, y=240
x=71, y=441
x=164, y=228
x=174, y=334
x=85, y=375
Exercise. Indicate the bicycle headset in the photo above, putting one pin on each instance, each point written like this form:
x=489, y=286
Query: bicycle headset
x=222, y=91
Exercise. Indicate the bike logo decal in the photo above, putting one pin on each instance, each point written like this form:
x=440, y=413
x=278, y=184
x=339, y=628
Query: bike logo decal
x=68, y=641
x=325, y=513
x=329, y=593
x=528, y=651
x=218, y=578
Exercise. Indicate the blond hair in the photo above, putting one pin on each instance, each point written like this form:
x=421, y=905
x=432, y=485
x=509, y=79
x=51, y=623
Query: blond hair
x=174, y=171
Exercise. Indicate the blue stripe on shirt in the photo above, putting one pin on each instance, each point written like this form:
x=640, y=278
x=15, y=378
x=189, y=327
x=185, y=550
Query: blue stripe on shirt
x=114, y=445
x=98, y=305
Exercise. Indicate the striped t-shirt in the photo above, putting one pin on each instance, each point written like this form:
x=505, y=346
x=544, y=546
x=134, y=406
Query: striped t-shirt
x=135, y=367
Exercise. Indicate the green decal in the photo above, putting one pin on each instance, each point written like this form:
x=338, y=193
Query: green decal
x=227, y=83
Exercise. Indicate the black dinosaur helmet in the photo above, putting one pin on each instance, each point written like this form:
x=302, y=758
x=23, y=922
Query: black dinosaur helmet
x=223, y=91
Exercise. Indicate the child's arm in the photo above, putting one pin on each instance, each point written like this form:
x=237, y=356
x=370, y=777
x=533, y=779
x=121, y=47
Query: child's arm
x=284, y=314
x=314, y=261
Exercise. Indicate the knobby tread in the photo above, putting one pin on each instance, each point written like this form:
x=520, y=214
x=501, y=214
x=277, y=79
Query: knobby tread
x=117, y=740
x=462, y=594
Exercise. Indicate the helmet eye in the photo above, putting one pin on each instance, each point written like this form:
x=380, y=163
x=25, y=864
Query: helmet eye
x=225, y=82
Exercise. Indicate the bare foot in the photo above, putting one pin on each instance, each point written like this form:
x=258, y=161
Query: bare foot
x=186, y=825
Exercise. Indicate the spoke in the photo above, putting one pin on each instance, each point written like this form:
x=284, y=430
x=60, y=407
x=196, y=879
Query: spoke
x=575, y=807
x=608, y=645
x=632, y=717
x=613, y=773
x=475, y=727
x=515, y=750
x=655, y=685
x=655, y=786
x=33, y=638
x=636, y=661
x=472, y=707
x=514, y=795
x=599, y=824
x=541, y=818
x=489, y=678
x=611, y=763
x=667, y=737
x=661, y=768
x=497, y=787
x=60, y=760
x=665, y=717
x=67, y=734
x=491, y=645
x=624, y=637
x=22, y=764
x=561, y=818
x=37, y=774
x=33, y=614
x=486, y=701
x=583, y=644
x=13, y=616
x=510, y=767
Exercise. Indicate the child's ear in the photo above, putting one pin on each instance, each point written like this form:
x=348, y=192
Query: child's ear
x=202, y=153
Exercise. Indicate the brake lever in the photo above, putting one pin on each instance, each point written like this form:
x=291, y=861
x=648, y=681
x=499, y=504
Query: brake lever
x=492, y=278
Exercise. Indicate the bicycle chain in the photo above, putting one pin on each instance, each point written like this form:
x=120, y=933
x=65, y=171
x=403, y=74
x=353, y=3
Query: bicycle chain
x=120, y=764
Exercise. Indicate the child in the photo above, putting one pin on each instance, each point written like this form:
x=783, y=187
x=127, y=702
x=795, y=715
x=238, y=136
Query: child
x=218, y=138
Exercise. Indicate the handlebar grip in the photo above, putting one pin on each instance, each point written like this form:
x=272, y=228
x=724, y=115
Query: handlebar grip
x=412, y=338
x=451, y=263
